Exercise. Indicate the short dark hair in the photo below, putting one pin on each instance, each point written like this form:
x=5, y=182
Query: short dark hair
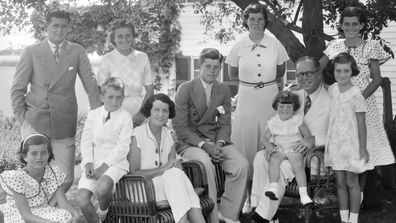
x=210, y=53
x=112, y=82
x=286, y=97
x=148, y=105
x=358, y=12
x=117, y=24
x=57, y=14
x=344, y=58
x=34, y=139
x=311, y=59
x=255, y=8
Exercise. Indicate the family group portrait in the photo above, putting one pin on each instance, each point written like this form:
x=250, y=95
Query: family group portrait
x=197, y=111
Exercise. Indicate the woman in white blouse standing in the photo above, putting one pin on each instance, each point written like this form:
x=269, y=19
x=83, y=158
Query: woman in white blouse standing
x=131, y=65
x=257, y=61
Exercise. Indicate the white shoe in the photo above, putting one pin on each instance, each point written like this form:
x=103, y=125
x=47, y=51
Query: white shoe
x=305, y=199
x=226, y=220
x=272, y=194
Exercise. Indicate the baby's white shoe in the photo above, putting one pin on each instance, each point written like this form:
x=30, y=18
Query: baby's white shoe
x=305, y=199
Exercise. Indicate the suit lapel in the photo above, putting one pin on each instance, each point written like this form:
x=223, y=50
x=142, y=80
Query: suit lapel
x=64, y=62
x=198, y=97
x=213, y=102
x=48, y=58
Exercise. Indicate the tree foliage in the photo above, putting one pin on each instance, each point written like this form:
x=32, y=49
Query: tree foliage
x=156, y=23
x=305, y=17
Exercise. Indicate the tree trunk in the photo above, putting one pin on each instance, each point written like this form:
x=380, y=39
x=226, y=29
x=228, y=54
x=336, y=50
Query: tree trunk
x=294, y=47
x=312, y=28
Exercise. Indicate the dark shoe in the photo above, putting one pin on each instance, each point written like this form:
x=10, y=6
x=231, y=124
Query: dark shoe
x=271, y=195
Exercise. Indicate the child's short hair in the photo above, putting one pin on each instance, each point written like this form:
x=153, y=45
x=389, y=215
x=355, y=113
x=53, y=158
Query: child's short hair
x=34, y=139
x=344, y=58
x=112, y=82
x=286, y=97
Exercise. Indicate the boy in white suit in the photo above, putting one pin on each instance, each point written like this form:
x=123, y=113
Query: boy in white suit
x=105, y=145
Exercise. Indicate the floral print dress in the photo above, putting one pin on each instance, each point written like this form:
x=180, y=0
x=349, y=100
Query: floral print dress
x=379, y=148
x=37, y=193
x=343, y=148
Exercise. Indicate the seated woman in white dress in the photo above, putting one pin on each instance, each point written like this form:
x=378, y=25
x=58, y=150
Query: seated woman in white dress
x=153, y=154
x=31, y=188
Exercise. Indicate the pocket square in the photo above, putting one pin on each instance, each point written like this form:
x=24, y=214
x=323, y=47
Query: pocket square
x=70, y=68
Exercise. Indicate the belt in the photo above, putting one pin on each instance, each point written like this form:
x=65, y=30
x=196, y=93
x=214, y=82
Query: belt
x=258, y=84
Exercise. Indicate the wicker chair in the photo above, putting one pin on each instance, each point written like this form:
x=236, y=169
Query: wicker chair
x=134, y=198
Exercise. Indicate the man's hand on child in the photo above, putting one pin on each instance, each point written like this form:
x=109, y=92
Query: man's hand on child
x=89, y=170
x=100, y=170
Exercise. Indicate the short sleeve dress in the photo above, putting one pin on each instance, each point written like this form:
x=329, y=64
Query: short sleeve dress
x=285, y=134
x=133, y=69
x=173, y=185
x=37, y=193
x=255, y=65
x=342, y=150
x=379, y=148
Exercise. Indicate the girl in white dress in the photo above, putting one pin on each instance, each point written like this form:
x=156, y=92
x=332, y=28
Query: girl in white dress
x=346, y=151
x=153, y=154
x=31, y=189
x=131, y=65
x=283, y=139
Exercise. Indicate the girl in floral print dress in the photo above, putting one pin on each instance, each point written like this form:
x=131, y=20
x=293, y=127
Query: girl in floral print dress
x=30, y=189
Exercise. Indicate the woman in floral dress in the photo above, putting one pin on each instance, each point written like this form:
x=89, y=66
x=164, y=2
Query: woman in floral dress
x=368, y=55
x=31, y=188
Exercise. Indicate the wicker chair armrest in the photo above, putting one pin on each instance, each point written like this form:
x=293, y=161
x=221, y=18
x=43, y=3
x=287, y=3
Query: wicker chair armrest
x=134, y=196
x=314, y=152
x=196, y=172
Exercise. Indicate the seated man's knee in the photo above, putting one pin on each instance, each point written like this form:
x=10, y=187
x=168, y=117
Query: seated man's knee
x=83, y=197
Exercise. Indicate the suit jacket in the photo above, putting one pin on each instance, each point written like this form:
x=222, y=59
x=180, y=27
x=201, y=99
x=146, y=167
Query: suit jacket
x=50, y=104
x=317, y=117
x=195, y=121
x=107, y=142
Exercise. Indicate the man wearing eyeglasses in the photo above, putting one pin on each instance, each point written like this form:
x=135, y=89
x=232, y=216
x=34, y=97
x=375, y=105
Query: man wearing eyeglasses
x=315, y=105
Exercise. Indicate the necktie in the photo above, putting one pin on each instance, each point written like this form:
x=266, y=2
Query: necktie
x=107, y=117
x=307, y=104
x=207, y=94
x=258, y=45
x=56, y=53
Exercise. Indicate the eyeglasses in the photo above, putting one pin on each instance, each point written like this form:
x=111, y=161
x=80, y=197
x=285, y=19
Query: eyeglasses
x=308, y=74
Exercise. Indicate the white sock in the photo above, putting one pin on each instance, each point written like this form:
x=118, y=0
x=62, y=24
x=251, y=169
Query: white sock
x=101, y=214
x=274, y=185
x=302, y=191
x=344, y=215
x=361, y=197
x=353, y=217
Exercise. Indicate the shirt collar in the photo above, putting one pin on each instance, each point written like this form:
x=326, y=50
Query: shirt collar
x=250, y=43
x=52, y=45
x=206, y=85
x=131, y=55
x=315, y=94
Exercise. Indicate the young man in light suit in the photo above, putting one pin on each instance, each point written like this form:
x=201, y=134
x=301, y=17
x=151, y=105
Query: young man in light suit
x=315, y=117
x=49, y=107
x=202, y=122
